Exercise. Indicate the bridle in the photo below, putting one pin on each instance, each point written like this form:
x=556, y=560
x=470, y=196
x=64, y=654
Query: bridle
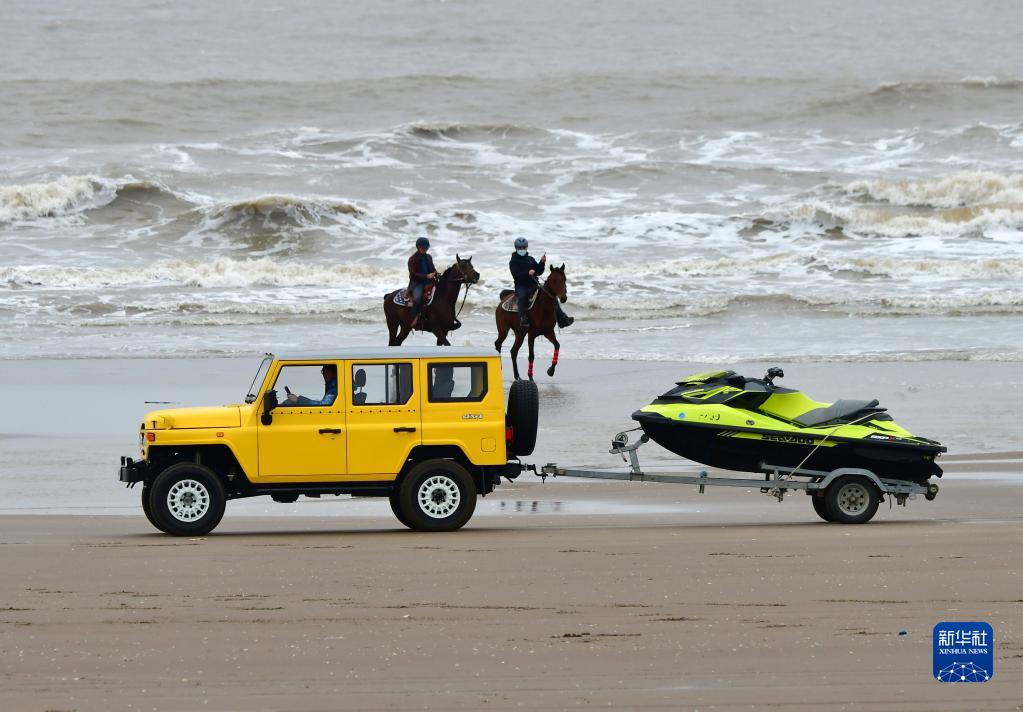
x=543, y=288
x=464, y=278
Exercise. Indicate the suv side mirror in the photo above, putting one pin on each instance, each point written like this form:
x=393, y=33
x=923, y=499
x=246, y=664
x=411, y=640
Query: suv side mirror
x=269, y=403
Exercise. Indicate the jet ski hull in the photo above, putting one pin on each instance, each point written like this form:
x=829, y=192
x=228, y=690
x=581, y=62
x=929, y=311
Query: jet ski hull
x=751, y=449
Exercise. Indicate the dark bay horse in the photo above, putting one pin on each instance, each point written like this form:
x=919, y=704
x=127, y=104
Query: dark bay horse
x=440, y=317
x=542, y=320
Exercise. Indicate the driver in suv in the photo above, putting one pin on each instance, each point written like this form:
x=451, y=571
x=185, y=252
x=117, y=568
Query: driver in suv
x=329, y=373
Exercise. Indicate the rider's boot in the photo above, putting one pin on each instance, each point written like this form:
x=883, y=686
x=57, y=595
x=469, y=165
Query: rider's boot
x=563, y=318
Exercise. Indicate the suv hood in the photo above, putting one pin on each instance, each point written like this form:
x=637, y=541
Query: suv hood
x=225, y=416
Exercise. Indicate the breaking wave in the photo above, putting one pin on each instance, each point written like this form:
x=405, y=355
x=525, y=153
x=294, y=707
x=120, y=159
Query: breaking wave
x=219, y=273
x=975, y=189
x=57, y=198
x=279, y=211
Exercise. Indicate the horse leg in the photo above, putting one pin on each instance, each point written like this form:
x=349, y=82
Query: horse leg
x=502, y=330
x=532, y=339
x=393, y=324
x=557, y=348
x=515, y=353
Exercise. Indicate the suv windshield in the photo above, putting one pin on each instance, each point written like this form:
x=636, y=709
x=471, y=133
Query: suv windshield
x=258, y=380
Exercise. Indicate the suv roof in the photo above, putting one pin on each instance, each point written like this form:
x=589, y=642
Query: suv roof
x=389, y=352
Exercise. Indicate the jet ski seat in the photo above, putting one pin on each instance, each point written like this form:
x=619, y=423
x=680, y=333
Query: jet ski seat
x=839, y=410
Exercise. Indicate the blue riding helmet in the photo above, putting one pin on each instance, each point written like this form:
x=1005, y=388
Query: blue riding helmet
x=422, y=242
x=521, y=243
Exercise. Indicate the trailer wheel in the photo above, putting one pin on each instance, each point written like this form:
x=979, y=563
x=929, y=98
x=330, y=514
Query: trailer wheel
x=437, y=496
x=852, y=500
x=821, y=507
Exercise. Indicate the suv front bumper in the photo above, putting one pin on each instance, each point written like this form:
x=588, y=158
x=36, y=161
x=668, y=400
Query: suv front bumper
x=132, y=471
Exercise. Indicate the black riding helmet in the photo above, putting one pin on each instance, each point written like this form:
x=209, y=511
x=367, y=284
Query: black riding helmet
x=422, y=242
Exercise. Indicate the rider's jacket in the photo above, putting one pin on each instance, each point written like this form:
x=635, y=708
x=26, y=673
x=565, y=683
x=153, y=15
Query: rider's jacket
x=520, y=266
x=415, y=273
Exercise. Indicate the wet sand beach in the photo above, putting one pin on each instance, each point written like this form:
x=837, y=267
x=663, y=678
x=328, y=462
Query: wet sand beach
x=733, y=607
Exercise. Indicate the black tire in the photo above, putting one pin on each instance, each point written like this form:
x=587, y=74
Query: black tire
x=852, y=500
x=523, y=416
x=395, y=501
x=436, y=496
x=188, y=499
x=147, y=507
x=821, y=507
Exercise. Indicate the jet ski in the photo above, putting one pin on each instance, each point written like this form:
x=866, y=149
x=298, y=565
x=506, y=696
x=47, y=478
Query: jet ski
x=725, y=420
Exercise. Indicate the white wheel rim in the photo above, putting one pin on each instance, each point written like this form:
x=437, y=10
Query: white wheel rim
x=853, y=499
x=188, y=500
x=439, y=496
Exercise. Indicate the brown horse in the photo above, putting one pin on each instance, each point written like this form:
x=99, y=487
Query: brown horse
x=542, y=320
x=440, y=317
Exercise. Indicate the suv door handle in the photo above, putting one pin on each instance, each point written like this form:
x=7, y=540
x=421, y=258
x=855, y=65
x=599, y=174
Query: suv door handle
x=404, y=430
x=330, y=431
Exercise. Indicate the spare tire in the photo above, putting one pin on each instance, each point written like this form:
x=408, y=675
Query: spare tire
x=523, y=416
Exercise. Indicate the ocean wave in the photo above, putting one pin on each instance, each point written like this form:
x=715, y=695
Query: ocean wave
x=64, y=196
x=73, y=195
x=278, y=212
x=887, y=222
x=219, y=273
x=980, y=189
x=926, y=87
x=461, y=131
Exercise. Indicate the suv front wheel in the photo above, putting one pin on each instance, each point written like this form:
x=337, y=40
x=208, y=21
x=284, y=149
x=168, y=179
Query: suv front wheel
x=187, y=499
x=437, y=496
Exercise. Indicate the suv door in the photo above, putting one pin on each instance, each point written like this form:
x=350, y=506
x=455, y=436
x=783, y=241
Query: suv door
x=306, y=439
x=384, y=419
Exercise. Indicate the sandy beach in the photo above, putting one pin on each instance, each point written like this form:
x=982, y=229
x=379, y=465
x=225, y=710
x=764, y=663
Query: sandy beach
x=556, y=595
x=733, y=607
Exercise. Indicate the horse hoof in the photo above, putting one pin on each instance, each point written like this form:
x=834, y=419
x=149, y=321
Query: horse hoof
x=550, y=371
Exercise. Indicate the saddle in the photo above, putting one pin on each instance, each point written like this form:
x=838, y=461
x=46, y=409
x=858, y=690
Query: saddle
x=404, y=299
x=510, y=304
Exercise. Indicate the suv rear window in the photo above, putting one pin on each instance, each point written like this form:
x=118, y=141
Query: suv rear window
x=457, y=382
x=381, y=383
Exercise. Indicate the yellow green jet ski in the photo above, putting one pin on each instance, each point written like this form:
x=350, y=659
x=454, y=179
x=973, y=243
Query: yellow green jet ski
x=725, y=420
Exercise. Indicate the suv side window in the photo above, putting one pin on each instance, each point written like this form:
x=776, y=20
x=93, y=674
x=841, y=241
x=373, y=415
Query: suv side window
x=457, y=382
x=314, y=385
x=381, y=383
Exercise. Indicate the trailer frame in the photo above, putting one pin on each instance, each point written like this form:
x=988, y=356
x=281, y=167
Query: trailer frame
x=777, y=481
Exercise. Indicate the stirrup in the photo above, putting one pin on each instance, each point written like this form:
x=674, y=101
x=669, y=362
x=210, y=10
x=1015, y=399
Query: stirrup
x=564, y=320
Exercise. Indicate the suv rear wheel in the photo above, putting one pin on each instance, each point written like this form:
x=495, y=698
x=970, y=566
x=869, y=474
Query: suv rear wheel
x=437, y=496
x=188, y=499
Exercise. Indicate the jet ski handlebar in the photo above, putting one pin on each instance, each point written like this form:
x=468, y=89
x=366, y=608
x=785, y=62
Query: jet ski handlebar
x=772, y=373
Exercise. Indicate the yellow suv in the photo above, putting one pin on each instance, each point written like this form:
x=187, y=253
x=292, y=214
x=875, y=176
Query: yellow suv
x=426, y=428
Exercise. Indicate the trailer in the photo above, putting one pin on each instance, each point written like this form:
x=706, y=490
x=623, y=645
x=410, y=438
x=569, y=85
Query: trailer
x=846, y=495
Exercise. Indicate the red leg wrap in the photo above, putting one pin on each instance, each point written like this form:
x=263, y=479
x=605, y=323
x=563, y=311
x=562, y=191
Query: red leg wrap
x=530, y=369
x=554, y=361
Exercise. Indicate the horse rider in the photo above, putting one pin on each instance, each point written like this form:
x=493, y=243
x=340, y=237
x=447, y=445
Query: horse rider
x=524, y=271
x=421, y=272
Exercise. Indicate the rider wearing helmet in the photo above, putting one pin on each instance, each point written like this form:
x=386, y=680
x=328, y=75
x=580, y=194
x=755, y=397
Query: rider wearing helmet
x=421, y=272
x=524, y=271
